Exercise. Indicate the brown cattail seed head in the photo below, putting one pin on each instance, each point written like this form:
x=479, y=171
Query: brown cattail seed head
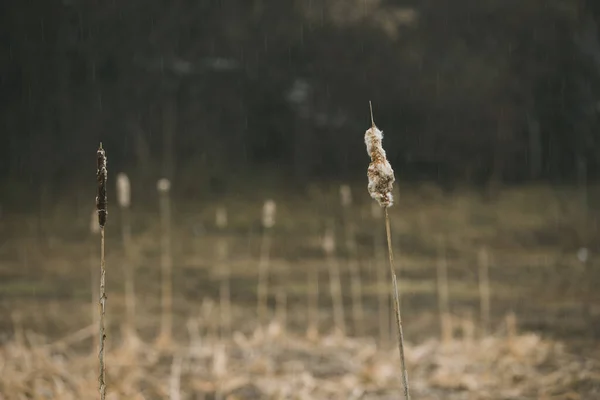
x=345, y=195
x=101, y=177
x=123, y=190
x=268, y=215
x=163, y=185
x=380, y=172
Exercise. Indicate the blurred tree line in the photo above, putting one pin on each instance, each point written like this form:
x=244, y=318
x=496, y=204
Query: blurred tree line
x=465, y=90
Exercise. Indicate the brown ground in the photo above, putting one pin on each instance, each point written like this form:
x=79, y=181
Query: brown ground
x=533, y=235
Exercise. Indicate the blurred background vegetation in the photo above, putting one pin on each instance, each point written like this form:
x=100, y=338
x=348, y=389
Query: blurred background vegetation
x=469, y=91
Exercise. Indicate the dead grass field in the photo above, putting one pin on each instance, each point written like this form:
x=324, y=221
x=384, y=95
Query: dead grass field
x=533, y=235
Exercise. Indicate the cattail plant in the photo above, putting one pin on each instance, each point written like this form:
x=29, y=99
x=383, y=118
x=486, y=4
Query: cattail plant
x=382, y=296
x=381, y=182
x=101, y=207
x=124, y=201
x=312, y=302
x=164, y=186
x=335, y=284
x=352, y=259
x=443, y=293
x=281, y=301
x=268, y=221
x=225, y=274
x=484, y=290
x=94, y=231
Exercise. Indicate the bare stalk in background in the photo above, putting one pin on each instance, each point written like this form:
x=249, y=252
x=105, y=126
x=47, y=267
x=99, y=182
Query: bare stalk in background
x=484, y=290
x=443, y=293
x=382, y=295
x=95, y=282
x=312, y=291
x=101, y=207
x=335, y=284
x=225, y=273
x=268, y=221
x=353, y=263
x=124, y=200
x=381, y=182
x=166, y=262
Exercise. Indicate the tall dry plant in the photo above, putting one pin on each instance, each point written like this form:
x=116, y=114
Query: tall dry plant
x=381, y=183
x=353, y=262
x=382, y=296
x=443, y=292
x=224, y=273
x=312, y=302
x=268, y=222
x=335, y=282
x=95, y=282
x=484, y=290
x=101, y=207
x=166, y=263
x=124, y=201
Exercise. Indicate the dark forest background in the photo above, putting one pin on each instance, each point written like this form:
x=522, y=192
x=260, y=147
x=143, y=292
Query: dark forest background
x=469, y=91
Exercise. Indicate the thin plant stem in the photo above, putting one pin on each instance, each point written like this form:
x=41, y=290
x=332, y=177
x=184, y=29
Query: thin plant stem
x=397, y=306
x=313, y=301
x=263, y=276
x=225, y=292
x=102, y=378
x=130, y=327
x=379, y=266
x=95, y=294
x=101, y=207
x=484, y=291
x=355, y=280
x=443, y=293
x=166, y=265
x=335, y=284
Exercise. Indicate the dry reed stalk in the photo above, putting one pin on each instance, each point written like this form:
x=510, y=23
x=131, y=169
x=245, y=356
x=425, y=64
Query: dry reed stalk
x=95, y=282
x=164, y=186
x=124, y=201
x=468, y=328
x=443, y=293
x=335, y=283
x=101, y=207
x=225, y=274
x=268, y=221
x=381, y=182
x=281, y=301
x=353, y=263
x=511, y=328
x=484, y=290
x=382, y=296
x=312, y=291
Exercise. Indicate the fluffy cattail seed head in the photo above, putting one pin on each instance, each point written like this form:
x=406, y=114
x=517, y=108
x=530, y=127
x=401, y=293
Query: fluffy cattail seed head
x=101, y=177
x=123, y=190
x=380, y=172
x=268, y=215
x=163, y=185
x=345, y=195
x=221, y=217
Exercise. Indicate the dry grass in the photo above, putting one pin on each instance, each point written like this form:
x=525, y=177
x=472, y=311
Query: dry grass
x=261, y=367
x=534, y=272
